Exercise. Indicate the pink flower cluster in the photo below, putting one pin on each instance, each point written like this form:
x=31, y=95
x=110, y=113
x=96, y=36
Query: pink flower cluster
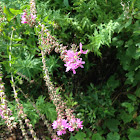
x=62, y=125
x=28, y=19
x=73, y=60
x=1, y=113
x=75, y=123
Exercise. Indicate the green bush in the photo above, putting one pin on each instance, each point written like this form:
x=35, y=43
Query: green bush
x=105, y=94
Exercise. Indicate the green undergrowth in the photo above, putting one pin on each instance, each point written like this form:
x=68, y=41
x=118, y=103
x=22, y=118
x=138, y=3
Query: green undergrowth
x=106, y=93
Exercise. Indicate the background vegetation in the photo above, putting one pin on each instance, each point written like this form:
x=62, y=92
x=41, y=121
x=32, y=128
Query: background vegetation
x=105, y=94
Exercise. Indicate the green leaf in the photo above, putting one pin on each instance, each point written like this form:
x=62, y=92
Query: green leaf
x=46, y=108
x=16, y=45
x=28, y=66
x=8, y=14
x=80, y=136
x=66, y=3
x=30, y=111
x=15, y=12
x=46, y=19
x=17, y=39
x=112, y=83
x=134, y=134
x=130, y=76
x=113, y=136
x=129, y=106
x=137, y=92
x=132, y=97
x=112, y=124
x=96, y=136
x=128, y=22
x=72, y=137
x=50, y=111
x=126, y=117
x=131, y=51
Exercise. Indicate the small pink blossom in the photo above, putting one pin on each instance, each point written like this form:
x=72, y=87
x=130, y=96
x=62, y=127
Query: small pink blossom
x=75, y=124
x=79, y=124
x=60, y=132
x=23, y=18
x=1, y=113
x=55, y=124
x=81, y=51
x=33, y=16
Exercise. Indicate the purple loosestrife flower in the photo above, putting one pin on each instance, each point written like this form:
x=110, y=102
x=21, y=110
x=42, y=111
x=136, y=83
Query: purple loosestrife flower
x=60, y=132
x=73, y=60
x=75, y=124
x=23, y=18
x=29, y=19
x=79, y=123
x=61, y=125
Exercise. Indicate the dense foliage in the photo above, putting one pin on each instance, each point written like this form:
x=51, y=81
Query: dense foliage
x=105, y=93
